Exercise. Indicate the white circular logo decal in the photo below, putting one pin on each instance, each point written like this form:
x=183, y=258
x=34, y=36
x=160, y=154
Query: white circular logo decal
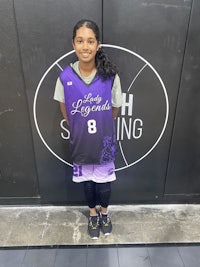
x=143, y=116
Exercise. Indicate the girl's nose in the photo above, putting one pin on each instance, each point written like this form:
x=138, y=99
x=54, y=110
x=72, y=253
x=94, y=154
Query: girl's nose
x=85, y=45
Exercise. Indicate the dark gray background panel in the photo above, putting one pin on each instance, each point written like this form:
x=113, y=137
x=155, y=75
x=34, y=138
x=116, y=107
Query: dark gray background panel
x=183, y=179
x=18, y=176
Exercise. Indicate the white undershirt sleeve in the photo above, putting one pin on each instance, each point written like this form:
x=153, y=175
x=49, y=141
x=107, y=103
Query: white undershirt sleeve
x=116, y=92
x=59, y=91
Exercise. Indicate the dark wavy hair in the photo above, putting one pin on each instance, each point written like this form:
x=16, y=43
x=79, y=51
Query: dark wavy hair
x=105, y=68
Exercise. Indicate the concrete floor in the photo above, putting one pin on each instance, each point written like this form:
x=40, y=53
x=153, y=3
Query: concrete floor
x=135, y=224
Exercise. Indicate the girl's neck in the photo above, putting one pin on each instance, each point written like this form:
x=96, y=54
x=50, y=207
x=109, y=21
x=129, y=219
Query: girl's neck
x=86, y=69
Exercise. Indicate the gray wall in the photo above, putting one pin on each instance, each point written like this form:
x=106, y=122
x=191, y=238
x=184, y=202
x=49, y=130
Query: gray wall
x=156, y=47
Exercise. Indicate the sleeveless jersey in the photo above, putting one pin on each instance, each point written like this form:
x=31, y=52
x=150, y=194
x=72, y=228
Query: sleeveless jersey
x=89, y=112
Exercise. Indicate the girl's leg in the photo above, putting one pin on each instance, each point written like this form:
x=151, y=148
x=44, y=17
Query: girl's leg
x=93, y=221
x=104, y=193
x=90, y=194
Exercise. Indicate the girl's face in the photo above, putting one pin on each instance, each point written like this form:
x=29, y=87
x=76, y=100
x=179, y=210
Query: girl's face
x=85, y=45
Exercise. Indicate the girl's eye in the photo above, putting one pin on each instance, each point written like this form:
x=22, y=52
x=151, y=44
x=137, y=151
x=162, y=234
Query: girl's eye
x=91, y=42
x=79, y=41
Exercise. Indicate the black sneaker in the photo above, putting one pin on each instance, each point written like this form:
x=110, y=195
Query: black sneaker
x=94, y=227
x=106, y=225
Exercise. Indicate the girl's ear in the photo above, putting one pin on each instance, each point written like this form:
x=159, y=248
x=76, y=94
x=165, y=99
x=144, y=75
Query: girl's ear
x=73, y=43
x=99, y=45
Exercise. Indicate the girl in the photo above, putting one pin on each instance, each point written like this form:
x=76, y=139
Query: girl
x=89, y=93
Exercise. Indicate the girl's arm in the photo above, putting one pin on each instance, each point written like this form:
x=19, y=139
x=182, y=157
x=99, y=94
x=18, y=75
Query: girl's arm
x=116, y=96
x=63, y=111
x=115, y=112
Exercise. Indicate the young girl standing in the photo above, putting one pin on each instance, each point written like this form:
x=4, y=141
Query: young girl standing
x=89, y=93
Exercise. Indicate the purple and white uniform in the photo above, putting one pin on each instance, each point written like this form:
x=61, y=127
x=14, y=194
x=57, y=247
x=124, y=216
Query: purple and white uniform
x=92, y=135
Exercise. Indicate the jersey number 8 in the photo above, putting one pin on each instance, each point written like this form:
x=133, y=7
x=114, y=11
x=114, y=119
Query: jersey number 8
x=92, y=128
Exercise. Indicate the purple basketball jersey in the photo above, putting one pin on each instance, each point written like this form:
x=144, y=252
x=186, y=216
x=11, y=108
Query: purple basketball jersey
x=89, y=111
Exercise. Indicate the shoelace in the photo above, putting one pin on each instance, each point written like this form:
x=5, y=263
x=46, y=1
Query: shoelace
x=94, y=222
x=106, y=220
